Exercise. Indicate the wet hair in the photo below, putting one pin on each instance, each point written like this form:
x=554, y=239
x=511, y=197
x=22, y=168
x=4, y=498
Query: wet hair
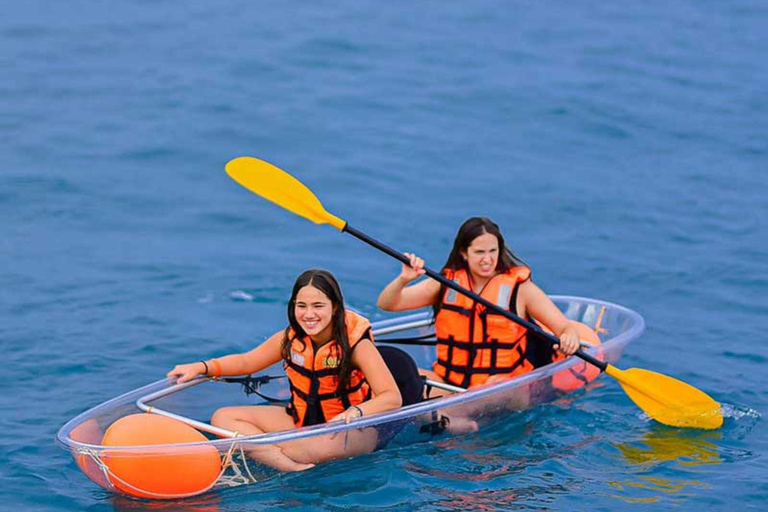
x=469, y=230
x=326, y=283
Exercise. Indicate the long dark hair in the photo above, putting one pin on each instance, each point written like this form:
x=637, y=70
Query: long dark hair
x=326, y=283
x=469, y=230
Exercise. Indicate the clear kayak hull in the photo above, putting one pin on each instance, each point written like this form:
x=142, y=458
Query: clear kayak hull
x=221, y=458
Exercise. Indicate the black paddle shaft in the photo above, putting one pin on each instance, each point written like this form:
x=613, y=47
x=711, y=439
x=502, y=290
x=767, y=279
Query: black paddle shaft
x=472, y=295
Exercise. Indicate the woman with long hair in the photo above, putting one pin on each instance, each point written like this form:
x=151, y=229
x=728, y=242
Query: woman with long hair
x=476, y=345
x=334, y=369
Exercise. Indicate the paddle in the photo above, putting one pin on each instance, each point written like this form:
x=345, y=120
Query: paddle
x=663, y=398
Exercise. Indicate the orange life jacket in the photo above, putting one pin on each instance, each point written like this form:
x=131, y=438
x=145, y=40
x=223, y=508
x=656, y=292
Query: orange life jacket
x=314, y=374
x=474, y=342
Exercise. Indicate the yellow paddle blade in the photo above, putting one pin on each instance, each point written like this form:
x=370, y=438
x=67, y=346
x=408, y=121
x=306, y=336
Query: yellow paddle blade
x=276, y=185
x=667, y=400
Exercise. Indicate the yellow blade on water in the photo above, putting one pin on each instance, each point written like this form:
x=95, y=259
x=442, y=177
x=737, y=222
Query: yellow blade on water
x=668, y=400
x=276, y=185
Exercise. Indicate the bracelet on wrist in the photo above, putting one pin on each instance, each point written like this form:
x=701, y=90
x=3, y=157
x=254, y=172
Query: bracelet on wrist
x=359, y=411
x=206, y=368
x=216, y=368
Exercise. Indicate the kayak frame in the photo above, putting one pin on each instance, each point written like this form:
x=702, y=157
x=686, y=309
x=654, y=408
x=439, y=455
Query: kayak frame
x=150, y=393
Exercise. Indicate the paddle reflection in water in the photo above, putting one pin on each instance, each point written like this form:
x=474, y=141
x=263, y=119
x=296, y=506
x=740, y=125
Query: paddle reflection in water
x=674, y=490
x=661, y=446
x=664, y=445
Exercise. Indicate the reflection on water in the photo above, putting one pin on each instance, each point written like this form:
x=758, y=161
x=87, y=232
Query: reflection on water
x=473, y=475
x=482, y=456
x=205, y=503
x=664, y=445
x=468, y=467
x=670, y=488
x=526, y=498
x=687, y=448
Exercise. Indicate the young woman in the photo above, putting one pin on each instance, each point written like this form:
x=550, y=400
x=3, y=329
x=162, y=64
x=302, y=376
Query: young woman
x=335, y=373
x=477, y=345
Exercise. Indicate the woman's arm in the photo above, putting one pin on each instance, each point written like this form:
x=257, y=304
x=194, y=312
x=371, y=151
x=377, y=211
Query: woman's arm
x=536, y=304
x=266, y=354
x=386, y=395
x=398, y=296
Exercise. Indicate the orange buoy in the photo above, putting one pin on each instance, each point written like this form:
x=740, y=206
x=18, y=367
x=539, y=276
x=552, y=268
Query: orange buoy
x=163, y=472
x=582, y=372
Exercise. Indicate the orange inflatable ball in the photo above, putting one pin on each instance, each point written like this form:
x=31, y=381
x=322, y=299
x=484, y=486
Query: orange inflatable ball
x=165, y=472
x=582, y=372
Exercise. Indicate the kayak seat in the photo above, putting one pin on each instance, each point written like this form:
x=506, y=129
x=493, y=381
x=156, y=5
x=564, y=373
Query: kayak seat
x=406, y=373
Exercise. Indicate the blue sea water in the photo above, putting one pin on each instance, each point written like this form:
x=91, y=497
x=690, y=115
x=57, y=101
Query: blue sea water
x=621, y=146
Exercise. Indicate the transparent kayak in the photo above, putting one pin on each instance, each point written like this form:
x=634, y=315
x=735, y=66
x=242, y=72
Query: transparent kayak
x=220, y=458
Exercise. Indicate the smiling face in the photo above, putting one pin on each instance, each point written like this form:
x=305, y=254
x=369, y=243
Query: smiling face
x=482, y=256
x=314, y=313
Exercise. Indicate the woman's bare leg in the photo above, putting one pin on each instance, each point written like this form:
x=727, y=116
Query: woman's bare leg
x=252, y=420
x=341, y=445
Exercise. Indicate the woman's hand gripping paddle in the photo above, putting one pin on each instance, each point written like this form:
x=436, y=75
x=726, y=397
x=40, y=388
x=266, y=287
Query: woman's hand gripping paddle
x=663, y=398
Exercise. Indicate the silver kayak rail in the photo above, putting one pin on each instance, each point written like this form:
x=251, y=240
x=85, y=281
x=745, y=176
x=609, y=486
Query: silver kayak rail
x=205, y=427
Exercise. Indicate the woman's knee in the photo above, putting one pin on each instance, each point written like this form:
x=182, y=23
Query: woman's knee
x=225, y=416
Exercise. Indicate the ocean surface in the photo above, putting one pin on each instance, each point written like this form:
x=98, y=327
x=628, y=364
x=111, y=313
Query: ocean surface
x=621, y=146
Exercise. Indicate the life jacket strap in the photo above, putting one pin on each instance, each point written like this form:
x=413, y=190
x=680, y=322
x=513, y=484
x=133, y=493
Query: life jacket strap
x=495, y=370
x=320, y=397
x=304, y=372
x=488, y=344
x=456, y=309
